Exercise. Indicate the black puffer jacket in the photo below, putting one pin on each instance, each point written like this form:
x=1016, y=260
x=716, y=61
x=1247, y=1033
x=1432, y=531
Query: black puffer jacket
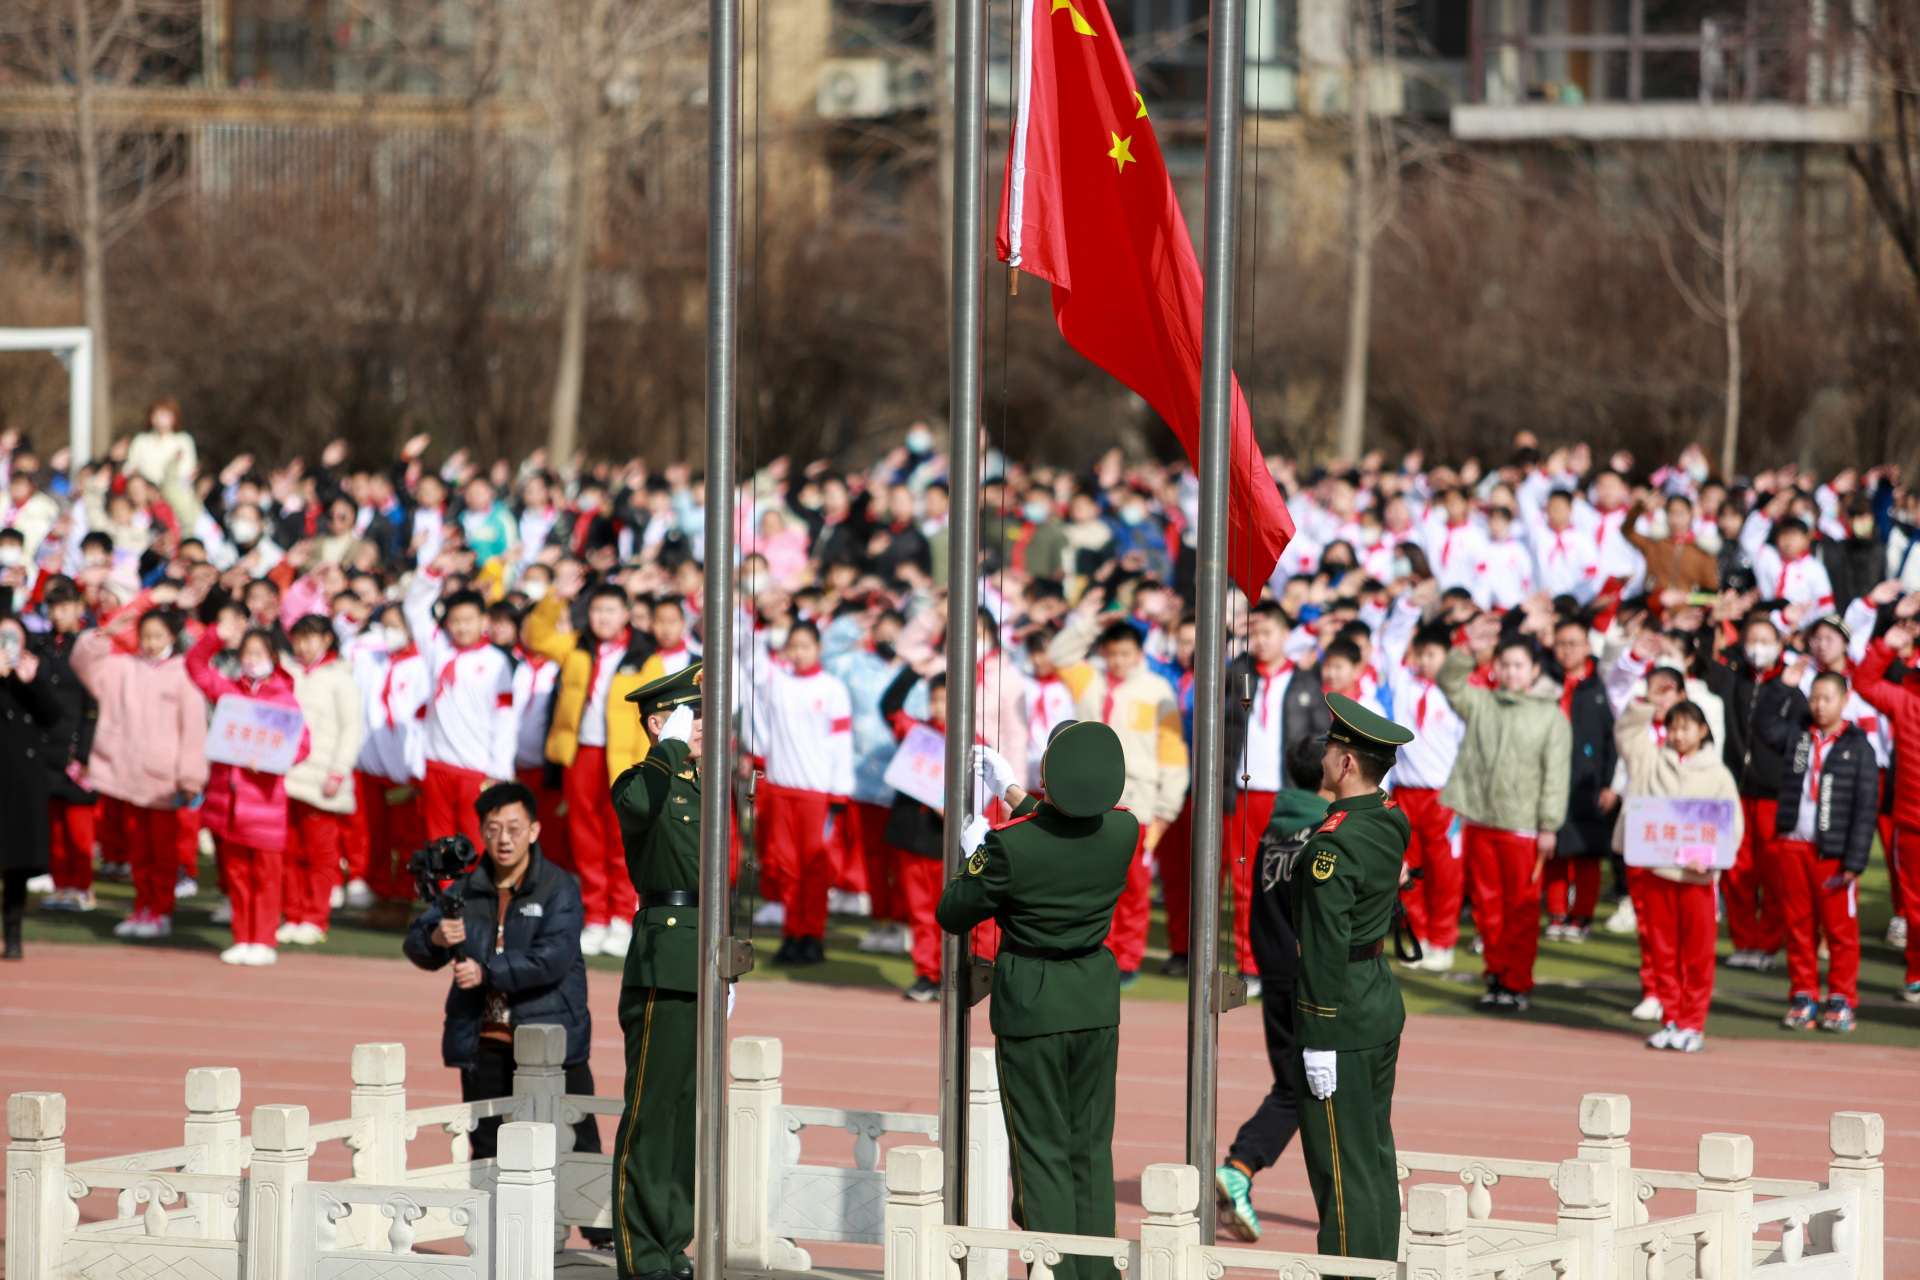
x=540, y=971
x=1849, y=813
x=1303, y=715
x=69, y=740
x=1589, y=829
x=1751, y=707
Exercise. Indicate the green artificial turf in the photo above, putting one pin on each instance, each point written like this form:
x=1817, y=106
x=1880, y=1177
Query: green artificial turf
x=1589, y=985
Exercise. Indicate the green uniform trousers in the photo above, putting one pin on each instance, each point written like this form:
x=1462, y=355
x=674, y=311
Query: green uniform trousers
x=1347, y=1141
x=1057, y=1093
x=653, y=1148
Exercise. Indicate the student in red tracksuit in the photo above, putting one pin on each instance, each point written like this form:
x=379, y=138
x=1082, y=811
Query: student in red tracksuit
x=1827, y=818
x=246, y=810
x=320, y=788
x=472, y=723
x=808, y=722
x=1901, y=704
x=395, y=686
x=913, y=832
x=1419, y=774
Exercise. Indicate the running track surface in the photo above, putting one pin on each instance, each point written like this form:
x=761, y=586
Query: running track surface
x=116, y=1028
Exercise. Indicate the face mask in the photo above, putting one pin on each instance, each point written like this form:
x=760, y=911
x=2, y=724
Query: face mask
x=10, y=556
x=1698, y=471
x=1402, y=567
x=1862, y=528
x=1132, y=515
x=536, y=590
x=1763, y=656
x=256, y=670
x=883, y=649
x=1037, y=512
x=752, y=584
x=396, y=638
x=589, y=503
x=245, y=531
x=919, y=442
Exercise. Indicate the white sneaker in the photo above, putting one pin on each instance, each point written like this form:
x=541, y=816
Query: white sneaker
x=308, y=934
x=222, y=914
x=1648, y=1010
x=1438, y=960
x=238, y=953
x=1254, y=985
x=82, y=899
x=1622, y=920
x=1663, y=1038
x=859, y=904
x=1687, y=1041
x=771, y=915
x=186, y=887
x=874, y=939
x=1479, y=945
x=130, y=927
x=155, y=927
x=336, y=899
x=902, y=940
x=359, y=897
x=619, y=938
x=40, y=884
x=261, y=954
x=840, y=903
x=593, y=940
x=286, y=932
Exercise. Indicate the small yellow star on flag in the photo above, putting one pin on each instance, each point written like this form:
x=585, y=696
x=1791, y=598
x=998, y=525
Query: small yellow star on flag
x=1121, y=153
x=1141, y=114
x=1080, y=24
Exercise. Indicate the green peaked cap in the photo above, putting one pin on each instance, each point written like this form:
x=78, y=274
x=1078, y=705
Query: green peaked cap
x=1084, y=770
x=679, y=689
x=1355, y=726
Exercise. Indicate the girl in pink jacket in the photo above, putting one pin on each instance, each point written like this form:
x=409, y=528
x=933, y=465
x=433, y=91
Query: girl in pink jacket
x=149, y=753
x=246, y=809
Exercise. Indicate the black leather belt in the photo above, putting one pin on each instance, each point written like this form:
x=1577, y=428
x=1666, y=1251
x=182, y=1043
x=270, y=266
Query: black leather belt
x=671, y=898
x=1366, y=950
x=1047, y=953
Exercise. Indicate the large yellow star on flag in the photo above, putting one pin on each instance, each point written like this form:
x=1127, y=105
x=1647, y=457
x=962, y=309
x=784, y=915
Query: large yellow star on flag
x=1121, y=153
x=1080, y=24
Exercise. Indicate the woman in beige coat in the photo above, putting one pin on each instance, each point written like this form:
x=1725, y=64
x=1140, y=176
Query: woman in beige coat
x=320, y=787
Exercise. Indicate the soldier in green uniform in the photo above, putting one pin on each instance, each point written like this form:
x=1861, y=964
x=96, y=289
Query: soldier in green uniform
x=1051, y=878
x=658, y=802
x=1347, y=1012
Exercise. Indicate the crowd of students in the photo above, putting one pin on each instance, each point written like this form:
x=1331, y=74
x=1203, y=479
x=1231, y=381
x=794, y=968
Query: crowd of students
x=1562, y=634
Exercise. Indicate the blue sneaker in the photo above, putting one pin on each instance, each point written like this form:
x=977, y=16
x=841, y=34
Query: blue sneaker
x=1234, y=1190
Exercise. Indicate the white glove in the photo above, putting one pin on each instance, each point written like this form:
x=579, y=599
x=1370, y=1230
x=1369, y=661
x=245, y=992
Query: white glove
x=732, y=991
x=679, y=725
x=973, y=835
x=994, y=770
x=1322, y=1067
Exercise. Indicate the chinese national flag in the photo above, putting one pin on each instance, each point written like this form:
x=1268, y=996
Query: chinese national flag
x=1087, y=206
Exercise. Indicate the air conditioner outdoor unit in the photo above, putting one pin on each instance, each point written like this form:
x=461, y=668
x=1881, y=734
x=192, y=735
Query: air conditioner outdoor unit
x=854, y=89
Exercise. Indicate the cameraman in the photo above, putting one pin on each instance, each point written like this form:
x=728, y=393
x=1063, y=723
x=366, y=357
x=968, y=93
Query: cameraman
x=515, y=949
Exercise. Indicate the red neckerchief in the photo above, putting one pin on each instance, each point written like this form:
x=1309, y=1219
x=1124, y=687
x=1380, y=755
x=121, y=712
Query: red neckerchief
x=1780, y=591
x=1446, y=544
x=1269, y=678
x=804, y=673
x=386, y=682
x=445, y=682
x=681, y=648
x=1816, y=760
x=1483, y=677
x=604, y=649
x=1569, y=683
x=1420, y=707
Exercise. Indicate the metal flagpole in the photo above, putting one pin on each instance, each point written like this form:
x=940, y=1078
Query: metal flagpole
x=721, y=957
x=1204, y=986
x=963, y=562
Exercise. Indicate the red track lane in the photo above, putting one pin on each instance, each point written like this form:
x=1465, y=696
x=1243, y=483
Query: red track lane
x=116, y=1028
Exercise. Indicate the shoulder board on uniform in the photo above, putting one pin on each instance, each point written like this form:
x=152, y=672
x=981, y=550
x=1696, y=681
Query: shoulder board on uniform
x=1332, y=823
x=1388, y=802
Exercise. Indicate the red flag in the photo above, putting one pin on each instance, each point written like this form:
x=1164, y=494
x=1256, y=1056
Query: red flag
x=1087, y=206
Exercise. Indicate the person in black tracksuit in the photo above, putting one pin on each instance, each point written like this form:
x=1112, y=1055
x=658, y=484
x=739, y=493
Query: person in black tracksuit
x=1747, y=681
x=515, y=948
x=1573, y=886
x=1276, y=951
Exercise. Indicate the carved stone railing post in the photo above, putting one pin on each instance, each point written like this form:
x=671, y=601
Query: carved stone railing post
x=379, y=1074
x=914, y=1216
x=523, y=1216
x=753, y=1127
x=1856, y=1138
x=1436, y=1232
x=1586, y=1213
x=988, y=1188
x=279, y=1165
x=1726, y=1174
x=37, y=1200
x=540, y=1077
x=213, y=1125
x=1605, y=1119
x=1170, y=1231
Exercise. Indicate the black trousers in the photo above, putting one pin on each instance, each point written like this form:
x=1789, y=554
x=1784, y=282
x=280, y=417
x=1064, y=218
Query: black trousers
x=491, y=1076
x=1270, y=1128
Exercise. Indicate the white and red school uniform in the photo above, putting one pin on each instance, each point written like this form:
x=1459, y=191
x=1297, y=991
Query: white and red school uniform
x=394, y=688
x=1619, y=559
x=1420, y=773
x=807, y=722
x=1566, y=562
x=1455, y=552
x=472, y=725
x=1263, y=763
x=1049, y=705
x=535, y=677
x=1814, y=911
x=593, y=829
x=1802, y=580
x=1505, y=575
